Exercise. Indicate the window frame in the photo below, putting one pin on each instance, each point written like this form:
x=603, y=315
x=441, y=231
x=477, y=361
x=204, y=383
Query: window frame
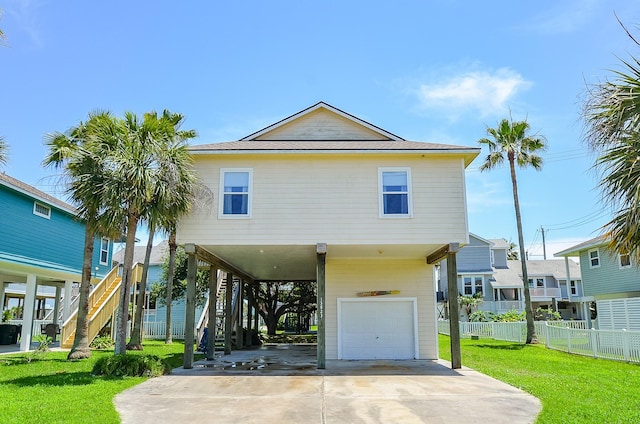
x=37, y=204
x=591, y=258
x=222, y=193
x=620, y=265
x=105, y=250
x=381, y=193
x=472, y=281
x=573, y=287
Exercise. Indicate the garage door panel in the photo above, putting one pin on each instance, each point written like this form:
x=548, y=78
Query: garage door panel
x=376, y=329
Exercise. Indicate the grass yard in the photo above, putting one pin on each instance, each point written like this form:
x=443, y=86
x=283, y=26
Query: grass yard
x=52, y=390
x=572, y=389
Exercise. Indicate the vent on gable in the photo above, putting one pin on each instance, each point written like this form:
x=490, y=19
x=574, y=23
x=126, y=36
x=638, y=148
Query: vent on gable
x=41, y=210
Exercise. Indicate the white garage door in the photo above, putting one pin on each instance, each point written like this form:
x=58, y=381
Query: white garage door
x=376, y=329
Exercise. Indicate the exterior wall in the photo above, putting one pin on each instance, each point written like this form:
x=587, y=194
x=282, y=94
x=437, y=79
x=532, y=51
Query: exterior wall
x=608, y=280
x=476, y=256
x=346, y=277
x=58, y=241
x=500, y=258
x=301, y=199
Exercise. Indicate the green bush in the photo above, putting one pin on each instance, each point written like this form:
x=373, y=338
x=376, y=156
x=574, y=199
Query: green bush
x=131, y=366
x=102, y=342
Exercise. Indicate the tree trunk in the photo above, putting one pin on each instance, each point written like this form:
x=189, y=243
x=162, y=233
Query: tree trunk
x=170, y=275
x=80, y=349
x=531, y=328
x=125, y=286
x=135, y=343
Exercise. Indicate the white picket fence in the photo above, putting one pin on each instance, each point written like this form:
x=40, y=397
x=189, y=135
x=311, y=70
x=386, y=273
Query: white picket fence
x=156, y=330
x=566, y=336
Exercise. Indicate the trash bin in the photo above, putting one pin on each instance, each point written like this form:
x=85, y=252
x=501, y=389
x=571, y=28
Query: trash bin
x=8, y=334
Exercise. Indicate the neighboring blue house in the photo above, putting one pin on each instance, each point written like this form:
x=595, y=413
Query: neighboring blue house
x=154, y=311
x=611, y=283
x=41, y=252
x=483, y=267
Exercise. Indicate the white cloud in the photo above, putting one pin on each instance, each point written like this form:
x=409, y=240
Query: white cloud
x=488, y=93
x=25, y=13
x=565, y=17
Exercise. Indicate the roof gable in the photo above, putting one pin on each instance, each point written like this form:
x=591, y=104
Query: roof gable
x=322, y=122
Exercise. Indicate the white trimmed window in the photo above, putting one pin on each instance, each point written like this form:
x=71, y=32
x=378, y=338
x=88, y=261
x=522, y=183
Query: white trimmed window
x=472, y=284
x=574, y=287
x=41, y=210
x=594, y=258
x=235, y=193
x=104, y=251
x=539, y=282
x=624, y=260
x=395, y=192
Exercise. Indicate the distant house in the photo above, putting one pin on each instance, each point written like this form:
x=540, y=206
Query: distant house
x=611, y=281
x=323, y=195
x=483, y=267
x=41, y=253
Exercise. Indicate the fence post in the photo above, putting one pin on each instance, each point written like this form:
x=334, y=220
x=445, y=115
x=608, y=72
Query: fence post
x=568, y=339
x=546, y=339
x=594, y=342
x=625, y=345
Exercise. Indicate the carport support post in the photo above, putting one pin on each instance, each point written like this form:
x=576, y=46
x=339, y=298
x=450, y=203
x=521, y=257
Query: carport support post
x=248, y=339
x=454, y=314
x=321, y=259
x=27, y=313
x=240, y=303
x=213, y=302
x=56, y=305
x=227, y=314
x=190, y=314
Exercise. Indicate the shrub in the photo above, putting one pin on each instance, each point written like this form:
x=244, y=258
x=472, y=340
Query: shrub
x=102, y=342
x=131, y=366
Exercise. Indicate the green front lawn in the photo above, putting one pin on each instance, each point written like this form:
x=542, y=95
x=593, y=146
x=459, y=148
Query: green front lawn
x=52, y=390
x=572, y=389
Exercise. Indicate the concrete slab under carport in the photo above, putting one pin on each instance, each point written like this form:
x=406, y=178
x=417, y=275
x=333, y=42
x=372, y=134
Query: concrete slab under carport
x=291, y=390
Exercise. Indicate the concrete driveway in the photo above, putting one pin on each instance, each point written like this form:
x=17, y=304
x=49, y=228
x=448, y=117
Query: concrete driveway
x=281, y=385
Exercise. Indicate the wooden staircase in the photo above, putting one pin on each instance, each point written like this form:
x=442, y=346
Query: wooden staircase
x=220, y=315
x=103, y=302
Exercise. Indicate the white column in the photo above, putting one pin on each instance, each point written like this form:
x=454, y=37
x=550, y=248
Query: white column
x=66, y=301
x=27, y=313
x=2, y=284
x=56, y=305
x=566, y=265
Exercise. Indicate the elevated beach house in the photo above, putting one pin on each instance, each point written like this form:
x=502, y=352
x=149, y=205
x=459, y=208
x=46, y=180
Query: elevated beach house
x=327, y=198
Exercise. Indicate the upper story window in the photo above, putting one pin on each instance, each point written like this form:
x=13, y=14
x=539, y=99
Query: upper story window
x=472, y=284
x=235, y=193
x=395, y=192
x=574, y=287
x=41, y=210
x=539, y=282
x=594, y=258
x=624, y=260
x=104, y=251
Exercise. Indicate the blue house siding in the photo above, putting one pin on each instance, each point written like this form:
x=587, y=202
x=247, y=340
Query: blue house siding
x=608, y=280
x=54, y=242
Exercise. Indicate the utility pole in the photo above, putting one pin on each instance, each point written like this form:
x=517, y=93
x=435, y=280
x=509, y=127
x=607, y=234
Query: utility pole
x=544, y=246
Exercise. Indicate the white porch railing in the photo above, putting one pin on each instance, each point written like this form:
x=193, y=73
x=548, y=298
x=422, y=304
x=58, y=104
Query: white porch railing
x=545, y=292
x=566, y=336
x=501, y=306
x=157, y=329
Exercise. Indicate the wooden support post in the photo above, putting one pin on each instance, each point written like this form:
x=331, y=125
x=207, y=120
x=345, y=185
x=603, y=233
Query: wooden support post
x=248, y=339
x=227, y=314
x=239, y=330
x=454, y=315
x=321, y=260
x=213, y=301
x=190, y=314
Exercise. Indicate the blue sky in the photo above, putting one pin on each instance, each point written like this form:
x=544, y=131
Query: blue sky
x=438, y=71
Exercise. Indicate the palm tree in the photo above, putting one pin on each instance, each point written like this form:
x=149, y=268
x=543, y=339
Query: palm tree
x=510, y=139
x=4, y=152
x=176, y=185
x=151, y=175
x=612, y=129
x=79, y=152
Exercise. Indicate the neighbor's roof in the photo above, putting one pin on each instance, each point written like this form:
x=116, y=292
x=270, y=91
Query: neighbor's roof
x=158, y=253
x=499, y=243
x=506, y=278
x=575, y=250
x=31, y=191
x=511, y=277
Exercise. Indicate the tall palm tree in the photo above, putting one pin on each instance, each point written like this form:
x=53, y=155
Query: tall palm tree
x=79, y=152
x=612, y=129
x=4, y=152
x=175, y=184
x=152, y=175
x=510, y=139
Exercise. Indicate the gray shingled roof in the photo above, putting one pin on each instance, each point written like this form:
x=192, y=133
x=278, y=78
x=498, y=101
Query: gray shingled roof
x=158, y=253
x=574, y=250
x=499, y=243
x=556, y=268
x=34, y=192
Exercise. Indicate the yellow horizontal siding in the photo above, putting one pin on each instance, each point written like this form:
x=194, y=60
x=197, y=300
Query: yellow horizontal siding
x=346, y=277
